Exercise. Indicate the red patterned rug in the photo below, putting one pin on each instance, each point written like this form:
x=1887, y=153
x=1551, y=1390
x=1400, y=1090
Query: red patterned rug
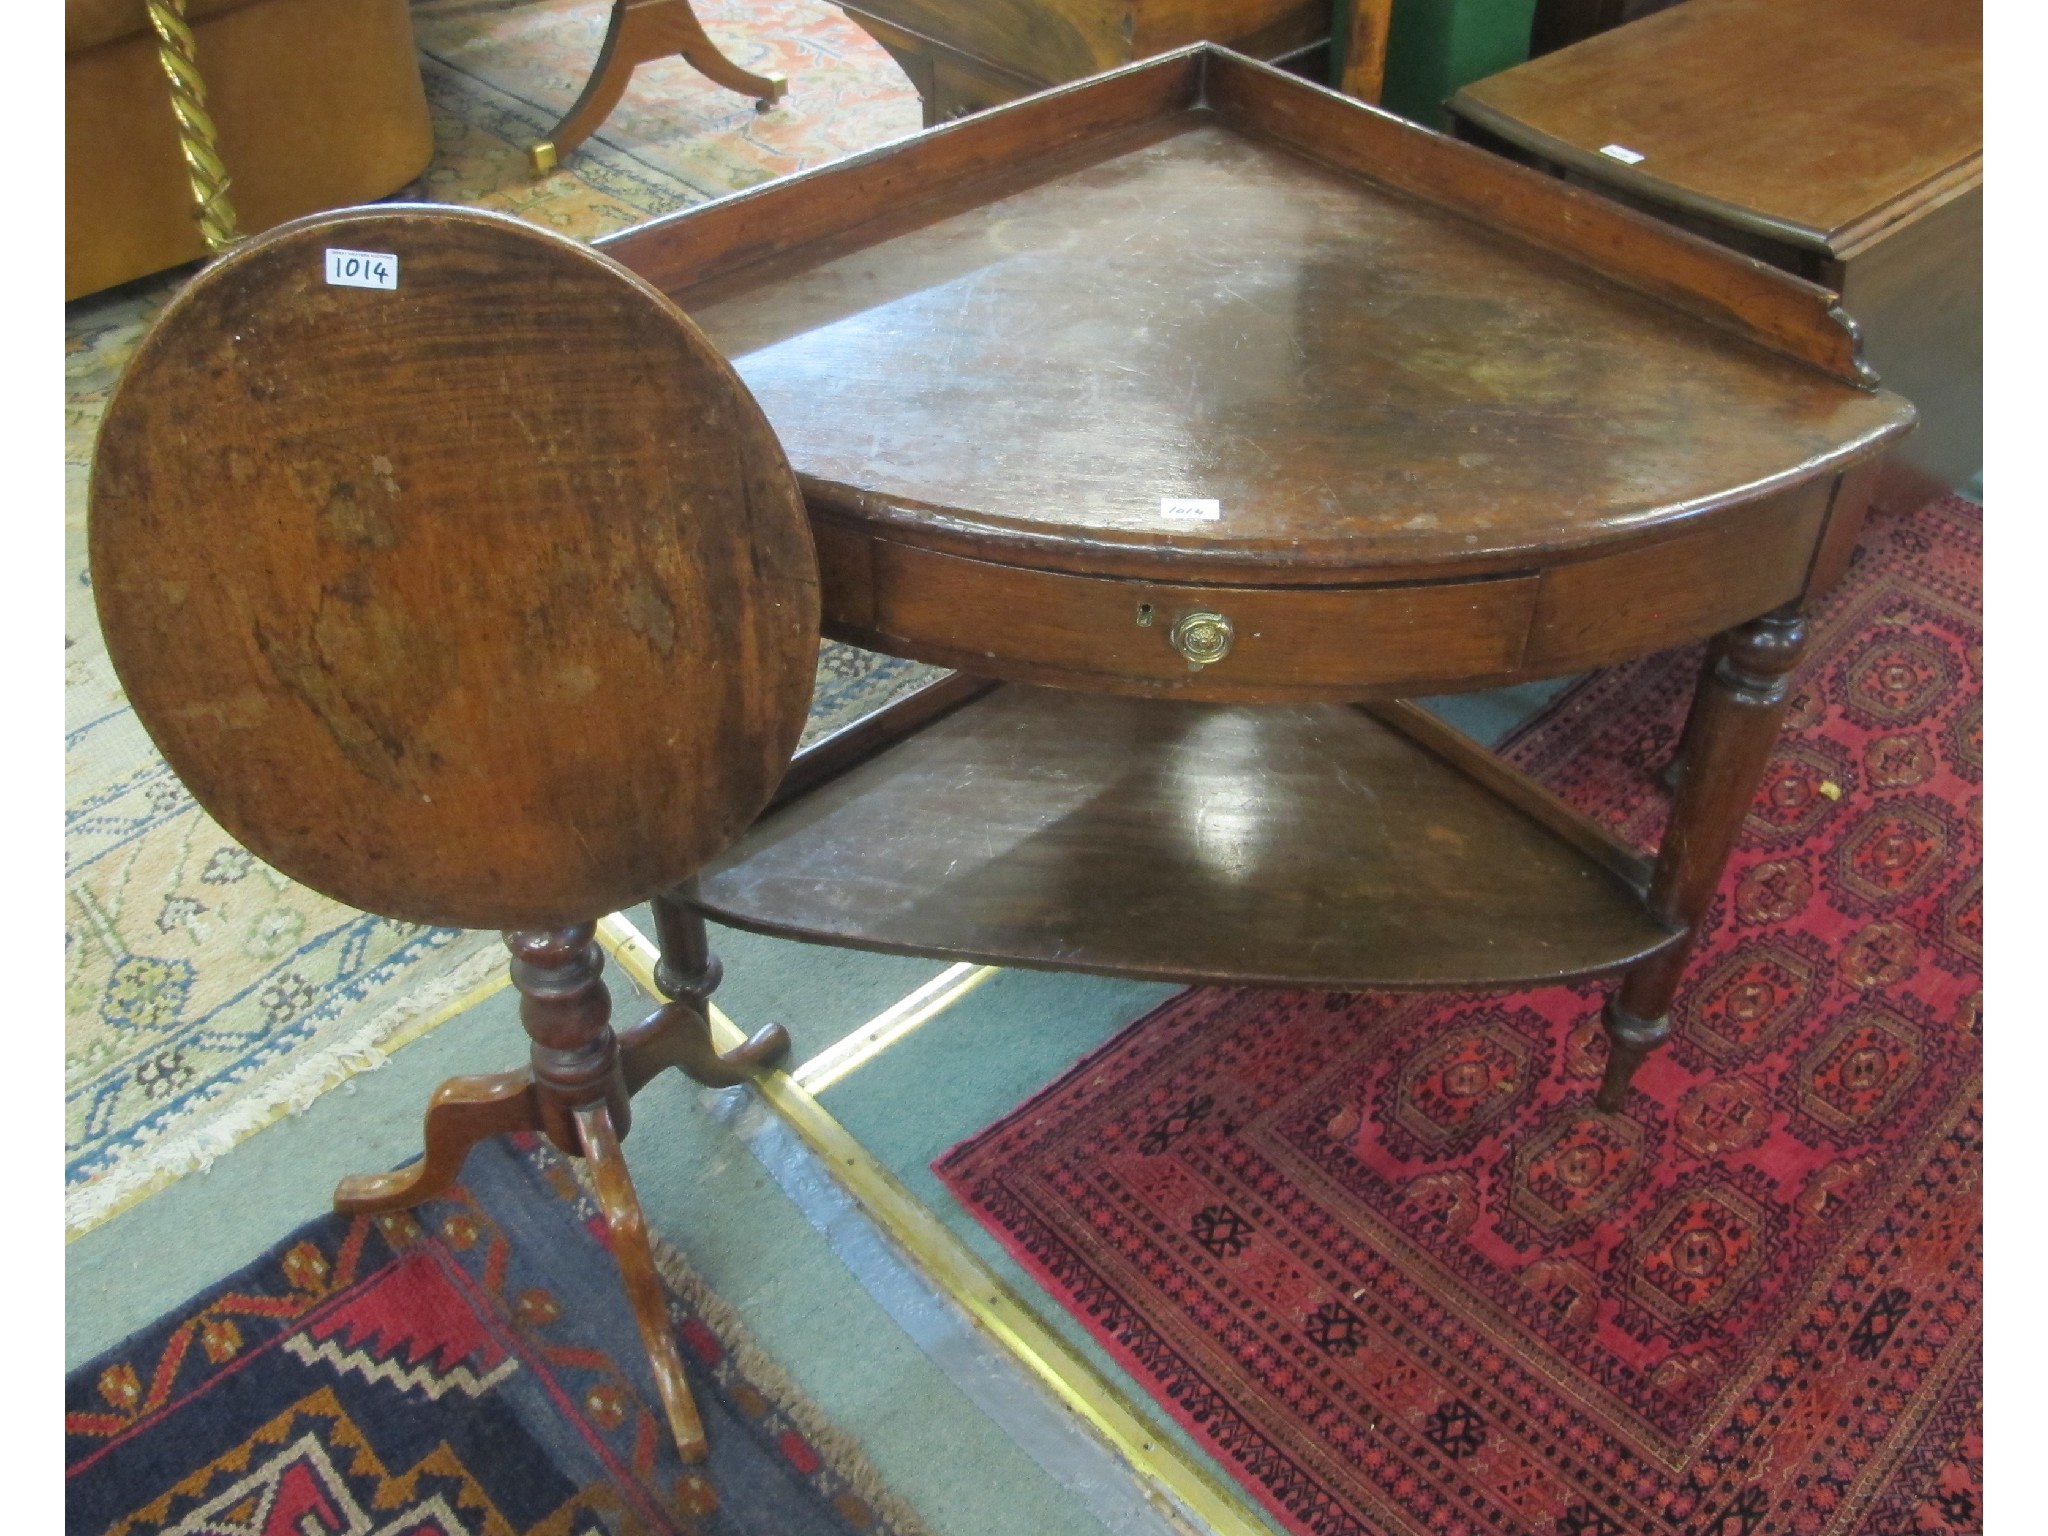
x=468, y=1369
x=1381, y=1256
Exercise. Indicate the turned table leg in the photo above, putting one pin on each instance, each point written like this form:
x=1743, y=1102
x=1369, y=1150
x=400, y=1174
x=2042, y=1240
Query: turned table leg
x=640, y=32
x=1727, y=744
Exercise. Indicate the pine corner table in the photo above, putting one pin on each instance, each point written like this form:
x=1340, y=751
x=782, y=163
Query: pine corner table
x=1199, y=417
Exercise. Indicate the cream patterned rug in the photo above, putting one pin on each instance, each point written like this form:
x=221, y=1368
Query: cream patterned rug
x=206, y=995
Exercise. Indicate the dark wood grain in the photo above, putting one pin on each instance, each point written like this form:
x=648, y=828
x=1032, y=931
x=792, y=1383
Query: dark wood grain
x=566, y=1009
x=1118, y=634
x=1517, y=789
x=853, y=744
x=1721, y=572
x=488, y=601
x=631, y=1244
x=868, y=195
x=1745, y=297
x=1284, y=846
x=1728, y=738
x=678, y=1035
x=1298, y=644
x=462, y=1112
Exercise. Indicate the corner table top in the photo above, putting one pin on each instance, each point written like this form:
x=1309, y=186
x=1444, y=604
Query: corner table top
x=1373, y=349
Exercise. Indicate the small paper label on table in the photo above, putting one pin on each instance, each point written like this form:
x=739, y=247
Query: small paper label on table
x=362, y=269
x=1622, y=153
x=1190, y=506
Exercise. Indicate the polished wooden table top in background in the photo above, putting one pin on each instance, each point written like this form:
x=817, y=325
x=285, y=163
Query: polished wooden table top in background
x=1857, y=162
x=1812, y=121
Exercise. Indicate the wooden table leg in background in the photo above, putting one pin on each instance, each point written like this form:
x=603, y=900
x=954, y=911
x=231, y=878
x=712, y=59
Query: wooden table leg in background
x=1728, y=739
x=642, y=31
x=1360, y=46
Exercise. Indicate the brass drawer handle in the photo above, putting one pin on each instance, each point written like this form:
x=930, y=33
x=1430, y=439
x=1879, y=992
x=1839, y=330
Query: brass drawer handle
x=1203, y=638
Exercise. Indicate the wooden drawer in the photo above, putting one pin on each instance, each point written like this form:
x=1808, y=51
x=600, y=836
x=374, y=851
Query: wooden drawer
x=1743, y=562
x=1099, y=632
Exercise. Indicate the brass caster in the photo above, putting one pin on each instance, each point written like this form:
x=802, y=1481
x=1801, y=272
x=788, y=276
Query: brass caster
x=542, y=157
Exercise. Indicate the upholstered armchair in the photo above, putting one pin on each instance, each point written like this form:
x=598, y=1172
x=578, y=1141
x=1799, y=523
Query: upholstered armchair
x=318, y=105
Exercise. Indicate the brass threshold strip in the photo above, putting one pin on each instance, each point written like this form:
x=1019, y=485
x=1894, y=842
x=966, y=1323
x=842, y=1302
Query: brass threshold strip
x=863, y=1045
x=1166, y=1472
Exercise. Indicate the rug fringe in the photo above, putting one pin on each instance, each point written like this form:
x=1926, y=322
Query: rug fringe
x=192, y=1149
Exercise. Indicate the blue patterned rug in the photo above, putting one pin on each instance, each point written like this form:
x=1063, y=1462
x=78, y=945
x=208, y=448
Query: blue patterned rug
x=471, y=1367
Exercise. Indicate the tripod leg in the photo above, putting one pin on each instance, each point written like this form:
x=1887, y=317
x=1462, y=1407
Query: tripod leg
x=462, y=1112
x=601, y=92
x=640, y=32
x=679, y=1035
x=631, y=1247
x=686, y=35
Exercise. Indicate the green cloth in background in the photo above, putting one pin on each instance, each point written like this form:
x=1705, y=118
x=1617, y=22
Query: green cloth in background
x=1436, y=46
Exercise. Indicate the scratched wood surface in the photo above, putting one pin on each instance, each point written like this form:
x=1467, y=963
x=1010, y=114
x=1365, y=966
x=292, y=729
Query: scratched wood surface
x=487, y=601
x=1364, y=382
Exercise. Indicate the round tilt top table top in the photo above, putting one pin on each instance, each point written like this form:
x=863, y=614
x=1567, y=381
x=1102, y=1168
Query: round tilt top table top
x=452, y=570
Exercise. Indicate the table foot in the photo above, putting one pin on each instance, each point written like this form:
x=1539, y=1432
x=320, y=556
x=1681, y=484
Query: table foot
x=1629, y=1041
x=678, y=1035
x=632, y=1247
x=462, y=1112
x=1726, y=745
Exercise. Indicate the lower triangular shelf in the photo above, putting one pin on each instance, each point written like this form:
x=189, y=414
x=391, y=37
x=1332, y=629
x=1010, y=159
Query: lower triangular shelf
x=1290, y=846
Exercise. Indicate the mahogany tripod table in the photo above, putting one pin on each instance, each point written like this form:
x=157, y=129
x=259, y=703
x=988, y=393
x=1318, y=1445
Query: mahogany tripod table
x=1200, y=416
